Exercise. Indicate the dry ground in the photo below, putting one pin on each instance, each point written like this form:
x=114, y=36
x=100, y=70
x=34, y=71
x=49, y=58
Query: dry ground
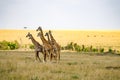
x=21, y=65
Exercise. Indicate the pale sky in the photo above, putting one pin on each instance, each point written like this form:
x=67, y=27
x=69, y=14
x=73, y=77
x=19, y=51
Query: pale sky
x=60, y=14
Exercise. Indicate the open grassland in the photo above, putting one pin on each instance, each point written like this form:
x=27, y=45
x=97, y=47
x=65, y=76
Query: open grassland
x=105, y=39
x=21, y=65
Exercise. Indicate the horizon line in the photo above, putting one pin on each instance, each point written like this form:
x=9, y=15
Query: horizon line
x=69, y=29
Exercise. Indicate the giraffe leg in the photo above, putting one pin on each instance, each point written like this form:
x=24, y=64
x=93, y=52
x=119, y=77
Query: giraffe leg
x=38, y=56
x=45, y=56
x=55, y=55
x=50, y=55
x=59, y=55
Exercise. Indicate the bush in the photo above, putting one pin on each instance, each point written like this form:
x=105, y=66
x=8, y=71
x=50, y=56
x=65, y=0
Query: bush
x=101, y=50
x=5, y=45
x=95, y=50
x=69, y=46
x=77, y=47
x=62, y=48
x=110, y=50
x=31, y=46
x=84, y=48
x=13, y=45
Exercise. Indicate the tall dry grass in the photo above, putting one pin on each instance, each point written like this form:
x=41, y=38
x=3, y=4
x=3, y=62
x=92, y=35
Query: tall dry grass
x=63, y=37
x=16, y=65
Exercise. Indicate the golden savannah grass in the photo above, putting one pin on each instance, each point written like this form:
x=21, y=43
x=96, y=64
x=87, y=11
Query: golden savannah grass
x=63, y=37
x=21, y=65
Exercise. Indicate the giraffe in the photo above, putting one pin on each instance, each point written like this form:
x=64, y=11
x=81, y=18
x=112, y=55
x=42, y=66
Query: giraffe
x=47, y=46
x=38, y=47
x=53, y=42
x=46, y=34
x=40, y=29
x=54, y=47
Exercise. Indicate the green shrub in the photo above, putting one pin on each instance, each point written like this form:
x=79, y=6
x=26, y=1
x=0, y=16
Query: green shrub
x=91, y=47
x=83, y=47
x=110, y=50
x=5, y=45
x=17, y=45
x=31, y=46
x=75, y=76
x=13, y=45
x=77, y=47
x=69, y=46
x=62, y=48
x=95, y=50
x=101, y=50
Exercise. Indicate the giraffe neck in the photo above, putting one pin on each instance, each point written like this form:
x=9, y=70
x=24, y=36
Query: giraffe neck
x=34, y=41
x=52, y=38
x=43, y=39
x=48, y=38
x=41, y=31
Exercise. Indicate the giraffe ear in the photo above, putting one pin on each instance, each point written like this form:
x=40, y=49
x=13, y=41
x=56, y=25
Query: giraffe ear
x=49, y=31
x=40, y=27
x=46, y=34
x=27, y=34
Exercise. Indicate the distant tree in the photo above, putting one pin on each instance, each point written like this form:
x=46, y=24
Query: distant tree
x=25, y=27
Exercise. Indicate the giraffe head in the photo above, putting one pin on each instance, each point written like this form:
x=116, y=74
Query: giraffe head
x=39, y=28
x=29, y=35
x=46, y=34
x=39, y=34
x=50, y=32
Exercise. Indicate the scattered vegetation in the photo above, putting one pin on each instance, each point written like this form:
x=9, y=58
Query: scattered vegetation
x=82, y=48
x=12, y=45
x=6, y=45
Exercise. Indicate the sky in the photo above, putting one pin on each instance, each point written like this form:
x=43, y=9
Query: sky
x=60, y=14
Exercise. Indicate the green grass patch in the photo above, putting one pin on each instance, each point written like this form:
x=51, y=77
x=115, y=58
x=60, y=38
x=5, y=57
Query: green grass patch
x=75, y=76
x=72, y=63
